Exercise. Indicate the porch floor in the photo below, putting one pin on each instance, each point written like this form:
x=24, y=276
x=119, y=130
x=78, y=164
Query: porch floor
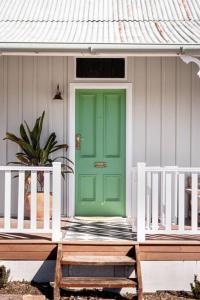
x=92, y=230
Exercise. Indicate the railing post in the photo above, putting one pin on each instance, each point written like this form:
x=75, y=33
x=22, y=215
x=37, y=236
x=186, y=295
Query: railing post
x=56, y=205
x=141, y=202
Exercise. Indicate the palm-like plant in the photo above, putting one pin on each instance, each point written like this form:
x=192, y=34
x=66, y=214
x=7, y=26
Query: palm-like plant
x=32, y=154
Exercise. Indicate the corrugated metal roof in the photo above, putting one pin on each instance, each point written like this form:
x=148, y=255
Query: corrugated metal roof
x=100, y=21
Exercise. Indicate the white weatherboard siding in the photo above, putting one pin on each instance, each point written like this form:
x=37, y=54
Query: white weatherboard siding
x=166, y=106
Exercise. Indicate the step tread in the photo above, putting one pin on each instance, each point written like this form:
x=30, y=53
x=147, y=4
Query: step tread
x=97, y=282
x=97, y=260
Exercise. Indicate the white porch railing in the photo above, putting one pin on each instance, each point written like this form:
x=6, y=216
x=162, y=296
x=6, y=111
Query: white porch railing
x=167, y=200
x=52, y=183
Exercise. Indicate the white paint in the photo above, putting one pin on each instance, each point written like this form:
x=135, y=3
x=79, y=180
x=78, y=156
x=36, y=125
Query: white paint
x=165, y=109
x=33, y=199
x=156, y=275
x=188, y=59
x=55, y=171
x=39, y=271
x=129, y=122
x=141, y=184
x=56, y=205
x=163, y=221
x=168, y=275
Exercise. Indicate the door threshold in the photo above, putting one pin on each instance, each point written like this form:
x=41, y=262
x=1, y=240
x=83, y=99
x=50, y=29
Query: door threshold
x=100, y=219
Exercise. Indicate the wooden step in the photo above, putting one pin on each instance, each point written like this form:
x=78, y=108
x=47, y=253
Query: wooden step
x=97, y=260
x=97, y=282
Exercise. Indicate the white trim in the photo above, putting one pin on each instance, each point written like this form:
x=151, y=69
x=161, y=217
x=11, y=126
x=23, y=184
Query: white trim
x=71, y=126
x=77, y=79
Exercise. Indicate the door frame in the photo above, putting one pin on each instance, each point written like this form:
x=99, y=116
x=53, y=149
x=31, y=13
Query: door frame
x=71, y=137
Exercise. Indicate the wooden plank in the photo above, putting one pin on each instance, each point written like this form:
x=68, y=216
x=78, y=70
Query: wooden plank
x=58, y=274
x=172, y=248
x=97, y=260
x=50, y=255
x=97, y=282
x=33, y=199
x=155, y=190
x=153, y=256
x=168, y=201
x=181, y=206
x=7, y=200
x=96, y=248
x=162, y=206
x=138, y=273
x=93, y=253
x=21, y=182
x=46, y=199
x=148, y=201
x=194, y=203
x=26, y=247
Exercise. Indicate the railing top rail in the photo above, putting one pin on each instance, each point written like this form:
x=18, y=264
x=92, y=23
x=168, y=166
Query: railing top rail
x=25, y=168
x=172, y=169
x=169, y=169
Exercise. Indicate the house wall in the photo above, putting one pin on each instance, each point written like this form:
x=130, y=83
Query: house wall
x=177, y=275
x=166, y=106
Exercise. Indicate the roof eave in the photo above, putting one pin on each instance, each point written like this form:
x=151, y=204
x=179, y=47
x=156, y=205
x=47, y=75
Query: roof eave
x=97, y=49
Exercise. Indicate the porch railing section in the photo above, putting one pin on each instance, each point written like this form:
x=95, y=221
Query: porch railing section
x=15, y=175
x=167, y=200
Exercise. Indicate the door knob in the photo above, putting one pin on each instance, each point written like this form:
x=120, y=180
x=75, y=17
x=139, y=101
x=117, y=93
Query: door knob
x=78, y=141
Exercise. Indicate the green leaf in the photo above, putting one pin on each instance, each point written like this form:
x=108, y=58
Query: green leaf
x=23, y=159
x=63, y=157
x=31, y=153
x=58, y=147
x=12, y=137
x=24, y=134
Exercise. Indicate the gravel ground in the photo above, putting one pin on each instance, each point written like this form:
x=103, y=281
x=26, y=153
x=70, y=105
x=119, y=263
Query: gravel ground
x=169, y=296
x=14, y=289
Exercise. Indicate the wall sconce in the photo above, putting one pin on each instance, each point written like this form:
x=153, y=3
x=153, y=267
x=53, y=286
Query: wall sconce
x=58, y=94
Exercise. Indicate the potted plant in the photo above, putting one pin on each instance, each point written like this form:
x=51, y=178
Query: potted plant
x=33, y=154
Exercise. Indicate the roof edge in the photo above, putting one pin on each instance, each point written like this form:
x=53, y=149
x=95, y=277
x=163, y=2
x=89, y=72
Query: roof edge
x=97, y=49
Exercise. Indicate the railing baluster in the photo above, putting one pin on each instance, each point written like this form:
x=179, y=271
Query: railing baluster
x=7, y=200
x=141, y=192
x=33, y=199
x=21, y=182
x=148, y=201
x=162, y=208
x=181, y=206
x=168, y=201
x=155, y=201
x=194, y=203
x=46, y=199
x=56, y=205
x=175, y=198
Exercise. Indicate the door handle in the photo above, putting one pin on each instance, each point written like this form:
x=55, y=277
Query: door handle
x=100, y=164
x=78, y=141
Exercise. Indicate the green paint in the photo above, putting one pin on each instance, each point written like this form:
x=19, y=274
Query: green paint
x=100, y=120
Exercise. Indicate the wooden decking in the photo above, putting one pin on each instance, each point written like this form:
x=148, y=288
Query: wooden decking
x=79, y=232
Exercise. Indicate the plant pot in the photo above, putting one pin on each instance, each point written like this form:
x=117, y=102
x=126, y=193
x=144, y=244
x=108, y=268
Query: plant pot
x=39, y=205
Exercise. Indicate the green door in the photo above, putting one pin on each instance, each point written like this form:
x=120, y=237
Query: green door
x=100, y=152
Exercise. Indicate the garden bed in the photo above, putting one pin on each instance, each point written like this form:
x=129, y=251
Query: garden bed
x=15, y=289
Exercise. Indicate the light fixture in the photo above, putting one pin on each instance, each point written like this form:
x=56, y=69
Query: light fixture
x=58, y=94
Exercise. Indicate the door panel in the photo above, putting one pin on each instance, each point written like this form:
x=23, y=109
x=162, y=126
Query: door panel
x=112, y=109
x=100, y=161
x=87, y=123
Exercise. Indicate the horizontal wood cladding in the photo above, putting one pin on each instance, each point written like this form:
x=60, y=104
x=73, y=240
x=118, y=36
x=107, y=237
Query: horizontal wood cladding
x=170, y=252
x=41, y=250
x=27, y=251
